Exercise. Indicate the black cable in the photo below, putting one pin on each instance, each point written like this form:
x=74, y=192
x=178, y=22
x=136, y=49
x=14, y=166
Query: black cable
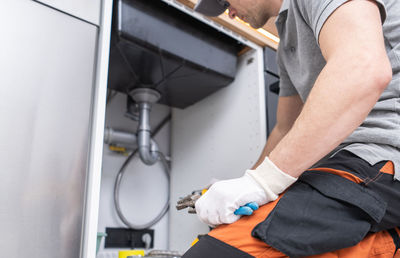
x=161, y=125
x=272, y=73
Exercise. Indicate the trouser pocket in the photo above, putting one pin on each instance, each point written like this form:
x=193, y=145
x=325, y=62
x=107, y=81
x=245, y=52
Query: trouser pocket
x=320, y=213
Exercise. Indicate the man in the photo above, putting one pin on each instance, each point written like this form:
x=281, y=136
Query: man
x=328, y=177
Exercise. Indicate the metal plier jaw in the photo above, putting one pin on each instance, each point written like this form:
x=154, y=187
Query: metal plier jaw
x=189, y=201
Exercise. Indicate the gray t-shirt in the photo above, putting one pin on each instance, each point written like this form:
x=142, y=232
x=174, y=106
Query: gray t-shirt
x=300, y=61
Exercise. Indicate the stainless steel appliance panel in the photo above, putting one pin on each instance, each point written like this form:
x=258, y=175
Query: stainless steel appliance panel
x=46, y=80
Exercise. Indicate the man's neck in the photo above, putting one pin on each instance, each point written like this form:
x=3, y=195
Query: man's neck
x=274, y=6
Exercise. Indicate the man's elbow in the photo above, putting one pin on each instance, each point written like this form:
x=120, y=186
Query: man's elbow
x=377, y=74
x=382, y=76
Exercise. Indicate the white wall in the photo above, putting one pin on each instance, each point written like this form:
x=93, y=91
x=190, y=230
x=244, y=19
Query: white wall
x=219, y=137
x=144, y=188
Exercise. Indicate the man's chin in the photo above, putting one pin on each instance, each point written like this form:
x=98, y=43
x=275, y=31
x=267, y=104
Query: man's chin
x=257, y=25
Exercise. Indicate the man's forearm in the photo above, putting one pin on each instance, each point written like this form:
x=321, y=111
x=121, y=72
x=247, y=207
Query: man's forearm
x=274, y=138
x=287, y=111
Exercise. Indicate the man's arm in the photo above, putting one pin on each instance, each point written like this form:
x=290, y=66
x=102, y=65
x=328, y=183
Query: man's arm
x=356, y=73
x=287, y=112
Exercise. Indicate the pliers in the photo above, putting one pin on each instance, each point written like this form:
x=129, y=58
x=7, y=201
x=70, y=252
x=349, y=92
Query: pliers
x=190, y=200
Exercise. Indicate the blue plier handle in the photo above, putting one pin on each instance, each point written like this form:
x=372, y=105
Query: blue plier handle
x=247, y=209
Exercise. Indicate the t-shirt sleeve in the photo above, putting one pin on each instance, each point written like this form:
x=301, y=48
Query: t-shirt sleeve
x=286, y=87
x=317, y=12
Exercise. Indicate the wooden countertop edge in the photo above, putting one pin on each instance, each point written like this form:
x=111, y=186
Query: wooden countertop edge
x=239, y=27
x=245, y=31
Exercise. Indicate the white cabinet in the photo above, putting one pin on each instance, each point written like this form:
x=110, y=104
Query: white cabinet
x=219, y=137
x=88, y=10
x=47, y=63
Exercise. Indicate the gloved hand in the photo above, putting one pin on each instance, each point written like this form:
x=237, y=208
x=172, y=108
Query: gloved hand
x=262, y=185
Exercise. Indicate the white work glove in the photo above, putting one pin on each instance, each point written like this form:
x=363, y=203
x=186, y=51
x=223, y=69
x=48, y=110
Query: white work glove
x=262, y=185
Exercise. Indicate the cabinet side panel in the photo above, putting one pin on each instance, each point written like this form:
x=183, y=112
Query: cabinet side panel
x=219, y=137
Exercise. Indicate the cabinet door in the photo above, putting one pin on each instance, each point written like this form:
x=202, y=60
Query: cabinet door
x=88, y=10
x=46, y=83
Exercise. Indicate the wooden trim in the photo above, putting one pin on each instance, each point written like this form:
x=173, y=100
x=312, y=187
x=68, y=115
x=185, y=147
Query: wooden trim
x=244, y=50
x=243, y=29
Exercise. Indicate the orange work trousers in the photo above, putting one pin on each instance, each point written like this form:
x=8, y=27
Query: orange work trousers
x=237, y=239
x=238, y=235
